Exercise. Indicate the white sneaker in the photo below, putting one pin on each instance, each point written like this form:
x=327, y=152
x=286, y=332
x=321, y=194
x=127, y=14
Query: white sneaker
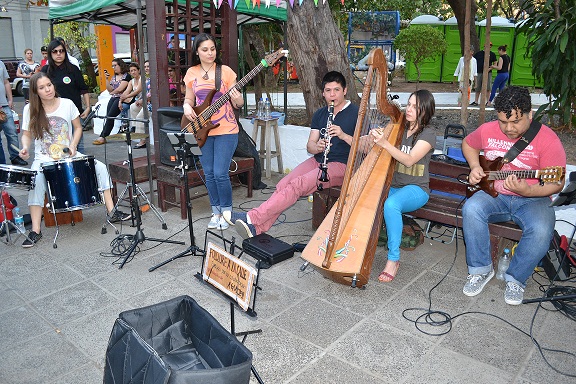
x=514, y=293
x=214, y=220
x=222, y=223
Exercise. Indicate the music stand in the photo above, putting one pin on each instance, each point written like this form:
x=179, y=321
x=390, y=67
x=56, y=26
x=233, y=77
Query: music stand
x=186, y=148
x=566, y=197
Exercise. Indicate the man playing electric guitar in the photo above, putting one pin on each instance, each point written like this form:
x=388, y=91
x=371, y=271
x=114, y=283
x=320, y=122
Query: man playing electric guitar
x=524, y=201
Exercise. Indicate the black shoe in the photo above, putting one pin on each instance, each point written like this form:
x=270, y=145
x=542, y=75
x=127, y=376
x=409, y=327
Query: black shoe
x=139, y=146
x=34, y=238
x=473, y=103
x=19, y=161
x=119, y=216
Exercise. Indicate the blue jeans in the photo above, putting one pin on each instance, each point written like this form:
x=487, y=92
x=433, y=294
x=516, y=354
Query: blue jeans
x=499, y=84
x=532, y=214
x=400, y=200
x=217, y=153
x=9, y=129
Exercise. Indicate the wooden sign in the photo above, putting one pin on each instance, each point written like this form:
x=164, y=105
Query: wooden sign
x=229, y=274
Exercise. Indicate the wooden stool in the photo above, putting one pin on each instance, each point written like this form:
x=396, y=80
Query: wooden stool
x=120, y=173
x=266, y=128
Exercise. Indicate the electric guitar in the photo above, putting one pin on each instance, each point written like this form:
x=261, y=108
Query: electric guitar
x=202, y=124
x=493, y=172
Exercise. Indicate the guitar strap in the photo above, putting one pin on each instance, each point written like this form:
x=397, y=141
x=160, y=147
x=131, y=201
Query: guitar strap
x=218, y=78
x=523, y=142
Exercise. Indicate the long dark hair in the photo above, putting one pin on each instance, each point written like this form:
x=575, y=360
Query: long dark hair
x=38, y=120
x=52, y=64
x=425, y=109
x=122, y=64
x=199, y=39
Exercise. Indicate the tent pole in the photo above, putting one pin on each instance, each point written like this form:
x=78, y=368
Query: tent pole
x=284, y=27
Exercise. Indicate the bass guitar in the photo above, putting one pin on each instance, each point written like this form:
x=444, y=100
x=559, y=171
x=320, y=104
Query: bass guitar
x=493, y=172
x=202, y=124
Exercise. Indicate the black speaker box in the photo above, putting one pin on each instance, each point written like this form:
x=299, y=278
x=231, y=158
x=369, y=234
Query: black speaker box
x=267, y=250
x=169, y=122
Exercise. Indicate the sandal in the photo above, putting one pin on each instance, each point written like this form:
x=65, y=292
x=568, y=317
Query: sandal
x=99, y=141
x=385, y=277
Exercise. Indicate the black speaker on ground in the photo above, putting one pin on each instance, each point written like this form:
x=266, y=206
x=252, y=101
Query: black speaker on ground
x=169, y=121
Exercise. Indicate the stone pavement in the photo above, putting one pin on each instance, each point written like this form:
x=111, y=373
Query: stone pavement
x=58, y=307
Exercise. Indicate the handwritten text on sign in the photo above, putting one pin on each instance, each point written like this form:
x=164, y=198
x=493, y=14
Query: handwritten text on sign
x=229, y=274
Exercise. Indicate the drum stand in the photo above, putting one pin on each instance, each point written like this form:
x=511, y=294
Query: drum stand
x=139, y=236
x=185, y=145
x=6, y=224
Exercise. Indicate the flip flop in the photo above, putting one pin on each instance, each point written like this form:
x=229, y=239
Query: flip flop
x=385, y=275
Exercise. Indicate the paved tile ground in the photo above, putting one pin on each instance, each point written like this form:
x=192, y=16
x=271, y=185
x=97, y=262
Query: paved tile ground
x=58, y=307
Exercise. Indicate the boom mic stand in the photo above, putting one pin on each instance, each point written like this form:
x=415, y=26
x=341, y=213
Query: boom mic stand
x=139, y=236
x=185, y=145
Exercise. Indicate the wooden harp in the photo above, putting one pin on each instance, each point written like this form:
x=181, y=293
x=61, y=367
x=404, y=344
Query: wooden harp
x=343, y=246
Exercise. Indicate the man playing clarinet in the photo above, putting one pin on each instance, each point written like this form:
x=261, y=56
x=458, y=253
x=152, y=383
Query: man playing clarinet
x=329, y=142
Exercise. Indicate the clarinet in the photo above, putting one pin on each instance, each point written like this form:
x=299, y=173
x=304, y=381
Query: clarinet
x=324, y=166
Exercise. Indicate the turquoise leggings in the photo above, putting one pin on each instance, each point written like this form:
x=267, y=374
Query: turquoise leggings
x=400, y=200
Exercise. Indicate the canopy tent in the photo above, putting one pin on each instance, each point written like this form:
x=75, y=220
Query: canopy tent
x=122, y=13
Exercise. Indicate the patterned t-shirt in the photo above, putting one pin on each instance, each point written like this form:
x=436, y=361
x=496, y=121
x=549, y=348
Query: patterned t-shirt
x=61, y=129
x=27, y=69
x=201, y=87
x=418, y=173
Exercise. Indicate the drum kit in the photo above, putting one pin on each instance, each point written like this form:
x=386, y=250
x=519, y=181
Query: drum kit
x=15, y=177
x=71, y=185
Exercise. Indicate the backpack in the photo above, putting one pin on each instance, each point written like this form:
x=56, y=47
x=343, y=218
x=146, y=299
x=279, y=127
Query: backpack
x=412, y=234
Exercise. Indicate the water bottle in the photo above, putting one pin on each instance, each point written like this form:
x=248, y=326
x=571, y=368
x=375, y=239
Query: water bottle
x=18, y=220
x=260, y=109
x=503, y=264
x=267, y=109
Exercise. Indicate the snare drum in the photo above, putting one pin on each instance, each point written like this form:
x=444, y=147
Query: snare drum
x=72, y=184
x=17, y=177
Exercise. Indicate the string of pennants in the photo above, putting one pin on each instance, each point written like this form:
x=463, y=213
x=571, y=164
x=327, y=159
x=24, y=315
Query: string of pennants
x=258, y=3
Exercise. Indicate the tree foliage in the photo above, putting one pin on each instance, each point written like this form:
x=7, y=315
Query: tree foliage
x=419, y=43
x=551, y=31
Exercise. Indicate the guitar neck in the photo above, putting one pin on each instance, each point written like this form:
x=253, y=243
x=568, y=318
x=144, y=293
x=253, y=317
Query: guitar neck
x=501, y=175
x=208, y=112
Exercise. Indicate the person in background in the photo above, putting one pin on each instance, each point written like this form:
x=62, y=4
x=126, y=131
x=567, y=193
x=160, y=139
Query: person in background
x=303, y=180
x=503, y=73
x=74, y=61
x=68, y=80
x=464, y=86
x=50, y=120
x=479, y=56
x=44, y=51
x=132, y=91
x=410, y=188
x=523, y=201
x=221, y=142
x=115, y=85
x=25, y=70
x=9, y=128
x=136, y=110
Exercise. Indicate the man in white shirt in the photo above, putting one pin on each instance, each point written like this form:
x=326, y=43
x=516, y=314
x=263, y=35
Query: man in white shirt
x=459, y=73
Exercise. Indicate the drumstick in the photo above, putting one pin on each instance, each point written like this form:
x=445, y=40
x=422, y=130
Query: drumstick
x=14, y=147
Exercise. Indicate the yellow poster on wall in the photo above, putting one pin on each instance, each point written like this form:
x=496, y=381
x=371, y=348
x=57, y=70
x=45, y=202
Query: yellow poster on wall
x=104, y=52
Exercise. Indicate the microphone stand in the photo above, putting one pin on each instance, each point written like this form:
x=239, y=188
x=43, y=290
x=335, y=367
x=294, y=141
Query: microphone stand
x=183, y=157
x=139, y=236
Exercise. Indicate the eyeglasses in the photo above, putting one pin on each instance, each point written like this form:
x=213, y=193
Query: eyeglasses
x=58, y=51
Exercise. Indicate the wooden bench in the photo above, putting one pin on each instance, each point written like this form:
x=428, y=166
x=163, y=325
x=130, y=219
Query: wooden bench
x=120, y=173
x=443, y=207
x=168, y=180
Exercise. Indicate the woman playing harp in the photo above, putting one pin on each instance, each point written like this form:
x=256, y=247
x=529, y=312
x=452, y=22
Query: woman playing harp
x=410, y=184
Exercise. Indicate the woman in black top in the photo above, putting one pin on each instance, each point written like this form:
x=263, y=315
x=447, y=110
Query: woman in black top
x=503, y=67
x=68, y=80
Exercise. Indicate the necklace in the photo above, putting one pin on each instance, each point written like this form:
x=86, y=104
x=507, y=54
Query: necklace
x=205, y=76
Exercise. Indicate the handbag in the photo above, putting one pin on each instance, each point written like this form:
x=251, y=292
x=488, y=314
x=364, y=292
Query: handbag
x=3, y=116
x=412, y=234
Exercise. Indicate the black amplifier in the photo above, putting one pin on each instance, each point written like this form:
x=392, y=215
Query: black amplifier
x=267, y=250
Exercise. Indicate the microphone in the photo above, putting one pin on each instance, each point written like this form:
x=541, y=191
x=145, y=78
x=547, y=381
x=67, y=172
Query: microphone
x=90, y=116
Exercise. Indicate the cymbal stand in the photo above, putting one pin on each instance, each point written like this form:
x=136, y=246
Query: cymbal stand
x=6, y=224
x=186, y=142
x=139, y=236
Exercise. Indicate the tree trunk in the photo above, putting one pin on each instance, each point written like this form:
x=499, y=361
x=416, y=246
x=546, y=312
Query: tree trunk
x=251, y=42
x=317, y=47
x=89, y=68
x=459, y=9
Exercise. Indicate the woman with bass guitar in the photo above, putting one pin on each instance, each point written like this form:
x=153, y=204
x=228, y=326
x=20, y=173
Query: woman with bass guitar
x=221, y=142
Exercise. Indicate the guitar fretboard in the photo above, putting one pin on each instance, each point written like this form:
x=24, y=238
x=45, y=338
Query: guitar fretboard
x=501, y=175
